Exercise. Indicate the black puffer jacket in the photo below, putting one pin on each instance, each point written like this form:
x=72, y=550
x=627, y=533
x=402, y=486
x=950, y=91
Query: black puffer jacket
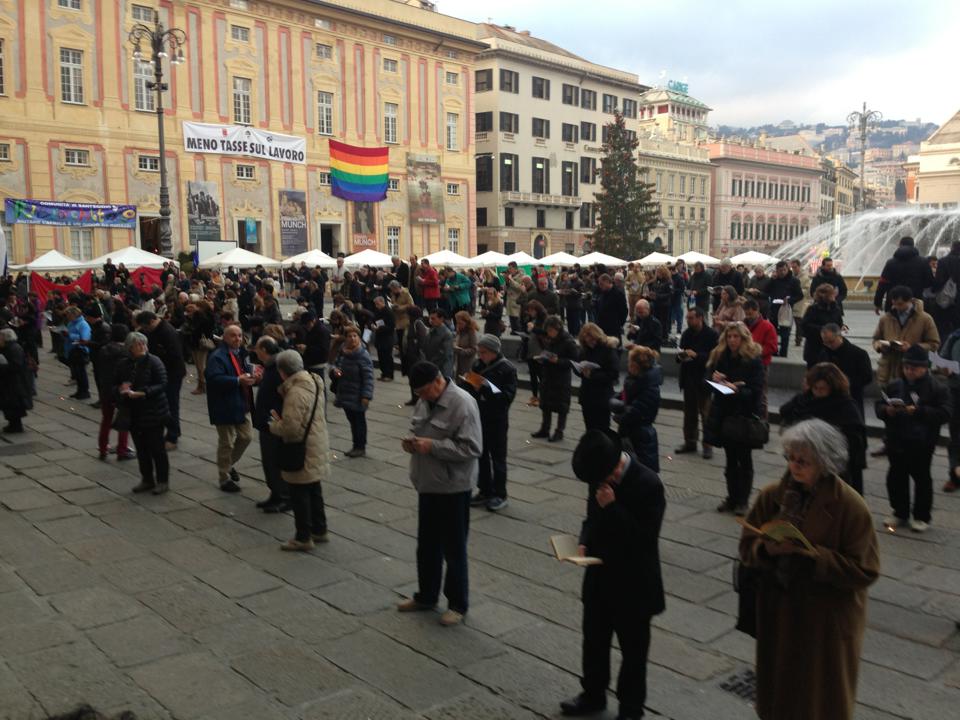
x=145, y=374
x=108, y=360
x=816, y=316
x=16, y=393
x=906, y=267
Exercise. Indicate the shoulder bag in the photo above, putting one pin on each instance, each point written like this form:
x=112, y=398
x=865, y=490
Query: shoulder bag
x=745, y=581
x=747, y=430
x=294, y=455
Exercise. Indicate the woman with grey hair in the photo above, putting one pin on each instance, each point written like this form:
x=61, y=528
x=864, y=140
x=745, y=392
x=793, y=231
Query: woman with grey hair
x=302, y=420
x=811, y=603
x=140, y=386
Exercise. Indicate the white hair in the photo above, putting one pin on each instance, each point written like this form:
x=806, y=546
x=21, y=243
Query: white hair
x=823, y=440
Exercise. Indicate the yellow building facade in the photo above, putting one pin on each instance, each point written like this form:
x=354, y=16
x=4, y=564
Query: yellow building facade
x=78, y=123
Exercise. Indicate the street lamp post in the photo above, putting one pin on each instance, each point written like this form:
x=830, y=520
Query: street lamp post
x=159, y=41
x=863, y=120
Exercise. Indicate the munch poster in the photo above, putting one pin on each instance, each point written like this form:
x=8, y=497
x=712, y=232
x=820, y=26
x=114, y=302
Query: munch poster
x=425, y=189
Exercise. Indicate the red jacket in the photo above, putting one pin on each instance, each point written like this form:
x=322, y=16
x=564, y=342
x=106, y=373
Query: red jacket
x=430, y=283
x=765, y=335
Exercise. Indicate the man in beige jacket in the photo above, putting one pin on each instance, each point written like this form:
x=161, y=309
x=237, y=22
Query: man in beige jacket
x=904, y=325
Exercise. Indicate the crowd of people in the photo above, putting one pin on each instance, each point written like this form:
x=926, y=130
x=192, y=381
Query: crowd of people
x=262, y=371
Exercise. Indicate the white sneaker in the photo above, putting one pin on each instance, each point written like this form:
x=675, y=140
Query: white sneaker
x=892, y=522
x=918, y=526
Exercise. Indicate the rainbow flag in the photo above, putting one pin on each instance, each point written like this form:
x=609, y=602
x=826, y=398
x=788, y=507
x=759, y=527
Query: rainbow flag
x=358, y=173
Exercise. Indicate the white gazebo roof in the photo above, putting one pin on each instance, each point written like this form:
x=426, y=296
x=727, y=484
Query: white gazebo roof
x=560, y=258
x=752, y=257
x=599, y=258
x=50, y=260
x=131, y=257
x=522, y=258
x=313, y=258
x=368, y=257
x=491, y=258
x=448, y=258
x=655, y=258
x=694, y=257
x=239, y=258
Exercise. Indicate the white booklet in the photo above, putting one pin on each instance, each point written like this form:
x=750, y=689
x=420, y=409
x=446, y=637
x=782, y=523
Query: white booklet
x=941, y=362
x=722, y=389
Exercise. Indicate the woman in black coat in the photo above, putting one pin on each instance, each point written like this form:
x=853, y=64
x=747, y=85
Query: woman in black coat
x=641, y=402
x=16, y=391
x=826, y=396
x=823, y=311
x=555, y=376
x=660, y=295
x=597, y=383
x=140, y=384
x=735, y=365
x=492, y=313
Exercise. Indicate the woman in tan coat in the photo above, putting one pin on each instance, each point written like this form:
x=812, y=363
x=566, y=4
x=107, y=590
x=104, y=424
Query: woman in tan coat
x=811, y=604
x=303, y=417
x=730, y=310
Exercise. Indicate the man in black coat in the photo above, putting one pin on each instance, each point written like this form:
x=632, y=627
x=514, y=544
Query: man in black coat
x=854, y=362
x=99, y=336
x=164, y=342
x=316, y=344
x=783, y=290
x=610, y=307
x=645, y=329
x=401, y=271
x=625, y=510
x=696, y=343
x=906, y=267
x=545, y=296
x=16, y=392
x=271, y=446
x=384, y=336
x=499, y=373
x=827, y=274
x=726, y=274
x=946, y=314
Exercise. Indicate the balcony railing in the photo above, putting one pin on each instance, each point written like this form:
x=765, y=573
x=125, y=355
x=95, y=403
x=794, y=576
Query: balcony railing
x=525, y=198
x=481, y=137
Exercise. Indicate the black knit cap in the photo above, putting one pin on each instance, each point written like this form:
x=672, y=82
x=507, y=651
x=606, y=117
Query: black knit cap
x=596, y=456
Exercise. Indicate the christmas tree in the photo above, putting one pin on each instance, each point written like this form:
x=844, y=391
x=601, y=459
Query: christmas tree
x=625, y=206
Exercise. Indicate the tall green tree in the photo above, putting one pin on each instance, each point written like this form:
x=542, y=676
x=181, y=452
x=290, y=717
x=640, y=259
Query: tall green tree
x=626, y=210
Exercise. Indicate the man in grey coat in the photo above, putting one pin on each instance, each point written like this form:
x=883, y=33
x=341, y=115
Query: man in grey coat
x=444, y=445
x=437, y=342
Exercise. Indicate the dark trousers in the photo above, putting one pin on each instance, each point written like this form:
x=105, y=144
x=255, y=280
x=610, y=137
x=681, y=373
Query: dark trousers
x=270, y=449
x=854, y=478
x=442, y=527
x=696, y=406
x=514, y=324
x=107, y=409
x=596, y=416
x=913, y=463
x=151, y=455
x=534, y=367
x=404, y=363
x=173, y=402
x=603, y=615
x=358, y=427
x=78, y=371
x=784, y=333
x=546, y=417
x=431, y=304
x=953, y=448
x=493, y=459
x=574, y=320
x=739, y=473
x=14, y=418
x=385, y=356
x=309, y=515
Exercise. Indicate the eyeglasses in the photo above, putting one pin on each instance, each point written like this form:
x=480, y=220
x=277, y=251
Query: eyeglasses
x=798, y=461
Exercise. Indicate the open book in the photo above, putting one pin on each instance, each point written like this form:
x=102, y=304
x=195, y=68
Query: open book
x=567, y=549
x=477, y=381
x=779, y=531
x=579, y=367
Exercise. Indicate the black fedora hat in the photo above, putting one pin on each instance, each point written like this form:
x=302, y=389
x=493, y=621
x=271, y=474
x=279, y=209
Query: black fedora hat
x=596, y=456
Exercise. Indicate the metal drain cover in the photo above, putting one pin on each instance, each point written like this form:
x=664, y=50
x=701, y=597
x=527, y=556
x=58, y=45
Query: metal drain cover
x=743, y=684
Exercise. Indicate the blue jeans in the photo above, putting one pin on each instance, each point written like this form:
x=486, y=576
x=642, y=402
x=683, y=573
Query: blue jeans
x=173, y=402
x=442, y=526
x=676, y=315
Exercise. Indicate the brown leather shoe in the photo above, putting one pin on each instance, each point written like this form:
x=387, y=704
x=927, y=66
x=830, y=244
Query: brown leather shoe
x=412, y=605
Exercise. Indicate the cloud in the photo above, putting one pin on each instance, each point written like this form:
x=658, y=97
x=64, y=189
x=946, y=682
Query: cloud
x=757, y=62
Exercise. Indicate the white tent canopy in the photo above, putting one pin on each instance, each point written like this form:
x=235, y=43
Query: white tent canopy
x=448, y=258
x=522, y=258
x=599, y=258
x=491, y=258
x=752, y=257
x=131, y=257
x=313, y=258
x=50, y=261
x=694, y=257
x=368, y=257
x=239, y=258
x=560, y=258
x=655, y=258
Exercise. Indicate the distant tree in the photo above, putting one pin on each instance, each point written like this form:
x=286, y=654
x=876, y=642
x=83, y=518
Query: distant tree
x=625, y=206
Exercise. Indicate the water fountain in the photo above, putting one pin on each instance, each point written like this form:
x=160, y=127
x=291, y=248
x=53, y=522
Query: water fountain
x=861, y=243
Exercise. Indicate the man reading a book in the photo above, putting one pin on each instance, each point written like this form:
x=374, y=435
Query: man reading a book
x=625, y=507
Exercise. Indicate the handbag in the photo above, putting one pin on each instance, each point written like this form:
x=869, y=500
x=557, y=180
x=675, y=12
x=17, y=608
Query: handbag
x=746, y=430
x=745, y=582
x=294, y=455
x=121, y=418
x=785, y=315
x=207, y=344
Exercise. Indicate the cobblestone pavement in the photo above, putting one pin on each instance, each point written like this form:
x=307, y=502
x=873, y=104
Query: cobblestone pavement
x=183, y=606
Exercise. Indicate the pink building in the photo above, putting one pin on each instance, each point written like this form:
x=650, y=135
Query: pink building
x=760, y=197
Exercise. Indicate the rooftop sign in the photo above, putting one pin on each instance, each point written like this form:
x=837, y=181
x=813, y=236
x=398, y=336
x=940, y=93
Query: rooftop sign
x=680, y=87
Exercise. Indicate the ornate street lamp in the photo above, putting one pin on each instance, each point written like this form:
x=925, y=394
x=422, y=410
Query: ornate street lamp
x=160, y=43
x=863, y=120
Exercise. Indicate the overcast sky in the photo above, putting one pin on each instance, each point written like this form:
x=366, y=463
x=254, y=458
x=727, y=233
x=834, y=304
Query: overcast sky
x=756, y=62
